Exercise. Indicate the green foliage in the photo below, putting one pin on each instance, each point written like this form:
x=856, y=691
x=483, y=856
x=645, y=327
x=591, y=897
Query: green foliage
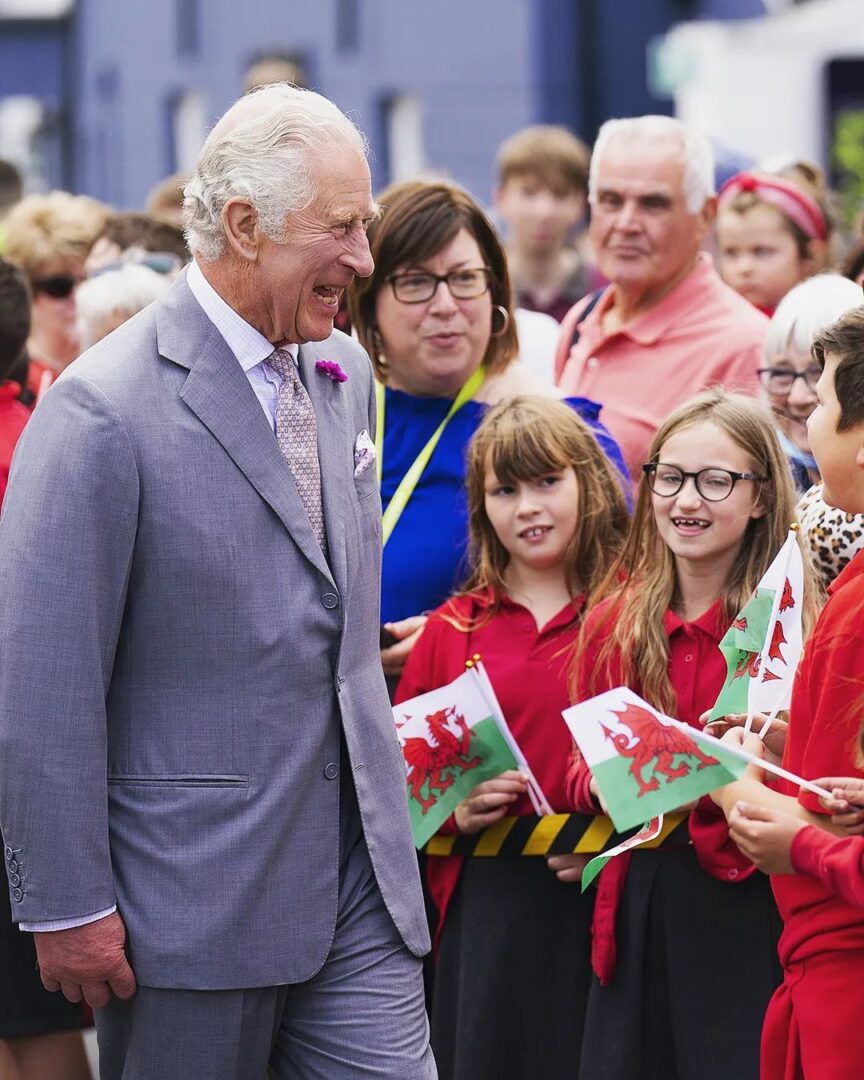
x=847, y=154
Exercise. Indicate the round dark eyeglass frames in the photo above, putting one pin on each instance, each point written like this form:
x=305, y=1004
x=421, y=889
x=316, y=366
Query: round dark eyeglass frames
x=419, y=287
x=713, y=485
x=780, y=380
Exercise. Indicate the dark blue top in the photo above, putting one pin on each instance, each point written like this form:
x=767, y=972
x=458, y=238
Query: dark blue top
x=424, y=560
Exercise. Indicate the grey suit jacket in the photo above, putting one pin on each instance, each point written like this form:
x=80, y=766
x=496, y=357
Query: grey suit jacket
x=177, y=659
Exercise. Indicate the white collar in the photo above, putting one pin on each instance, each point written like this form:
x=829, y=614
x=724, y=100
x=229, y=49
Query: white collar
x=248, y=345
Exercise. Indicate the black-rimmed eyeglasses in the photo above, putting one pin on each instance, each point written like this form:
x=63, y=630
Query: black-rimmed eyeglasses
x=780, y=380
x=713, y=485
x=417, y=288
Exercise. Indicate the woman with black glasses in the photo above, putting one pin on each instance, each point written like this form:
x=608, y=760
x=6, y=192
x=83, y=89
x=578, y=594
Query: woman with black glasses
x=49, y=237
x=436, y=317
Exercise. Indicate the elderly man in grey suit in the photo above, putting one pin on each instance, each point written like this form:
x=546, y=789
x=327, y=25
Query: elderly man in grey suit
x=202, y=790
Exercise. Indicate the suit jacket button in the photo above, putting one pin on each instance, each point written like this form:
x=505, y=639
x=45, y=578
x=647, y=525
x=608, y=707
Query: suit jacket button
x=9, y=852
x=331, y=771
x=13, y=866
x=17, y=895
x=14, y=879
x=330, y=600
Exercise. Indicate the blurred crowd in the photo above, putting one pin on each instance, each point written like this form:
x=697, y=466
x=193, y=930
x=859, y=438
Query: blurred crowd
x=612, y=285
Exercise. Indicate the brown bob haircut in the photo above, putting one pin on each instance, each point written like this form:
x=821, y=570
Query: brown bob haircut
x=844, y=340
x=418, y=219
x=548, y=152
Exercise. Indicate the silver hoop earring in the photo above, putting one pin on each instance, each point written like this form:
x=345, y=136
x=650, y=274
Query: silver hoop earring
x=505, y=320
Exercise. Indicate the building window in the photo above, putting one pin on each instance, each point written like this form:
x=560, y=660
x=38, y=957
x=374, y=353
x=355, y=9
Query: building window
x=347, y=25
x=188, y=131
x=403, y=137
x=188, y=27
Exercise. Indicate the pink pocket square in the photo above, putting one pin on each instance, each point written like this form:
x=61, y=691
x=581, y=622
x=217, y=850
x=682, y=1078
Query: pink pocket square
x=365, y=454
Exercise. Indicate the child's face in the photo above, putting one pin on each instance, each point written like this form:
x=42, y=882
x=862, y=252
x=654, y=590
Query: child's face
x=758, y=255
x=535, y=520
x=791, y=401
x=539, y=217
x=839, y=455
x=695, y=529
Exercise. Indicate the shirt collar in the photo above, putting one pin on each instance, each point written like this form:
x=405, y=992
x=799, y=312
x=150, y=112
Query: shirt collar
x=709, y=622
x=248, y=345
x=651, y=325
x=852, y=569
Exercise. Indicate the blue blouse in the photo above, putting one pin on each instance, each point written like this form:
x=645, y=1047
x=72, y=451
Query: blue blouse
x=425, y=557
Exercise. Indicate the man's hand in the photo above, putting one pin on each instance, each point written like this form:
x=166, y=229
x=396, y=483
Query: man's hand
x=846, y=802
x=567, y=868
x=764, y=836
x=87, y=961
x=489, y=801
x=406, y=632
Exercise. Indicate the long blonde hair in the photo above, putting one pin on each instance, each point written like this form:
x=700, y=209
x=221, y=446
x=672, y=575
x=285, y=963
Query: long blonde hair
x=643, y=581
x=527, y=438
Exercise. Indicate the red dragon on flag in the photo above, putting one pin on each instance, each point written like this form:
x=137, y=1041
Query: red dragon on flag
x=431, y=762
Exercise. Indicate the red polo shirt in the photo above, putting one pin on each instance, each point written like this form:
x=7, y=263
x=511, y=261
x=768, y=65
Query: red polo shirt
x=697, y=670
x=821, y=904
x=527, y=668
x=13, y=417
x=701, y=334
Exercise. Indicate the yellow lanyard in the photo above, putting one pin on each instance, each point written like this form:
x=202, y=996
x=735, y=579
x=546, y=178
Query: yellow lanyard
x=409, y=481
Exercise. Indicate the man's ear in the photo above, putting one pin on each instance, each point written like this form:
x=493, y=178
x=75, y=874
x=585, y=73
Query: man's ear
x=240, y=222
x=706, y=217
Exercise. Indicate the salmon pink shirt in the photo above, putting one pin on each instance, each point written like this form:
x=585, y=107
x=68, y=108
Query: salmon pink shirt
x=701, y=334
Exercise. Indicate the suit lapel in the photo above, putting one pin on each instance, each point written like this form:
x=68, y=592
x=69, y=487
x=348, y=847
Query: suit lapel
x=218, y=393
x=334, y=450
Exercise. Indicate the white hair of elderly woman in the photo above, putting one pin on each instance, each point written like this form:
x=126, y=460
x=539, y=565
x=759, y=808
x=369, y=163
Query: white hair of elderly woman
x=806, y=311
x=105, y=302
x=262, y=150
x=696, y=151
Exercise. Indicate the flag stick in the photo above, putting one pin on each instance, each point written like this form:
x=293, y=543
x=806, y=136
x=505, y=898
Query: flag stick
x=745, y=755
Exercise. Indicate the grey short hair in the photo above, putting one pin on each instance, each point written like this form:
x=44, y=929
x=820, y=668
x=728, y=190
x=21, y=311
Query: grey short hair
x=696, y=151
x=805, y=311
x=125, y=291
x=262, y=150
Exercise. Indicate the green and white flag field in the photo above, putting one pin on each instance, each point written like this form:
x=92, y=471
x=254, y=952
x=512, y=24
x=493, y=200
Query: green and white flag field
x=452, y=739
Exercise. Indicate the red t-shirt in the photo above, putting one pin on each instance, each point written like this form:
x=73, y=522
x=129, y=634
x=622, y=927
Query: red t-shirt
x=697, y=670
x=527, y=668
x=13, y=417
x=821, y=903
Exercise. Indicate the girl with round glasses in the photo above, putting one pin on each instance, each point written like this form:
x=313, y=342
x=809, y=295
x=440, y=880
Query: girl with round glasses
x=712, y=509
x=436, y=318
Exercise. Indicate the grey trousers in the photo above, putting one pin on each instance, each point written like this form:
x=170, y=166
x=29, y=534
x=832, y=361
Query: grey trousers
x=363, y=1014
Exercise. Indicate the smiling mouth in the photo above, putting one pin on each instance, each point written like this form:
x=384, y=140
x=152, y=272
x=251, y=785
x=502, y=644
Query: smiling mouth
x=328, y=294
x=535, y=532
x=690, y=523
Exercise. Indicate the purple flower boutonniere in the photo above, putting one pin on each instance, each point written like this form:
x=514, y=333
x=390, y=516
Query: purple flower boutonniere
x=332, y=370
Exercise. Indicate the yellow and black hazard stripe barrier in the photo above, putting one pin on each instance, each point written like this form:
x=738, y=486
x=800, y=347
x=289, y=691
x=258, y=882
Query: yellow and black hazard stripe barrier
x=552, y=834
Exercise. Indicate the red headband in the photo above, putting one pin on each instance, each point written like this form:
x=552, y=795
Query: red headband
x=786, y=197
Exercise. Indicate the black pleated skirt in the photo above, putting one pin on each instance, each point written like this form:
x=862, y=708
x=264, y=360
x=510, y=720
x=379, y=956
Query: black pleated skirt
x=512, y=974
x=697, y=965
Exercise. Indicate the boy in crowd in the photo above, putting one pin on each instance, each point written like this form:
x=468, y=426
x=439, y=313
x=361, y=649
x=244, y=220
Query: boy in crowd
x=542, y=193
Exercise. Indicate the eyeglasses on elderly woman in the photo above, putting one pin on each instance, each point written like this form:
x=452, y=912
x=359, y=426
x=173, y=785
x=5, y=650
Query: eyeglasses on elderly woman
x=713, y=485
x=418, y=287
x=780, y=380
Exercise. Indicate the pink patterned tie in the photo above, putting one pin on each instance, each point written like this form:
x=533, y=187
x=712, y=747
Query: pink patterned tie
x=297, y=436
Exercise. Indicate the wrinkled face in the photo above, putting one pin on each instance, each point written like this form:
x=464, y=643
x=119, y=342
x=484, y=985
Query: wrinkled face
x=643, y=235
x=535, y=520
x=53, y=317
x=539, y=217
x=432, y=348
x=694, y=529
x=840, y=455
x=758, y=255
x=298, y=284
x=791, y=407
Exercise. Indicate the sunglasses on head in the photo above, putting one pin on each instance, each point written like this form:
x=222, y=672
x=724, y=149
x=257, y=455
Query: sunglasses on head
x=60, y=286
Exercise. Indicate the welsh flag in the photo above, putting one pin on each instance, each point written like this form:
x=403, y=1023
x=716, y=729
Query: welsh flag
x=452, y=739
x=764, y=643
x=645, y=763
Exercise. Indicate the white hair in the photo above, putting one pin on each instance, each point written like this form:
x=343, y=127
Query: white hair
x=103, y=302
x=696, y=152
x=806, y=311
x=262, y=150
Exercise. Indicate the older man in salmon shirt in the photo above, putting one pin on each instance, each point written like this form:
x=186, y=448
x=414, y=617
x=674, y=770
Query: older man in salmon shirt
x=667, y=326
